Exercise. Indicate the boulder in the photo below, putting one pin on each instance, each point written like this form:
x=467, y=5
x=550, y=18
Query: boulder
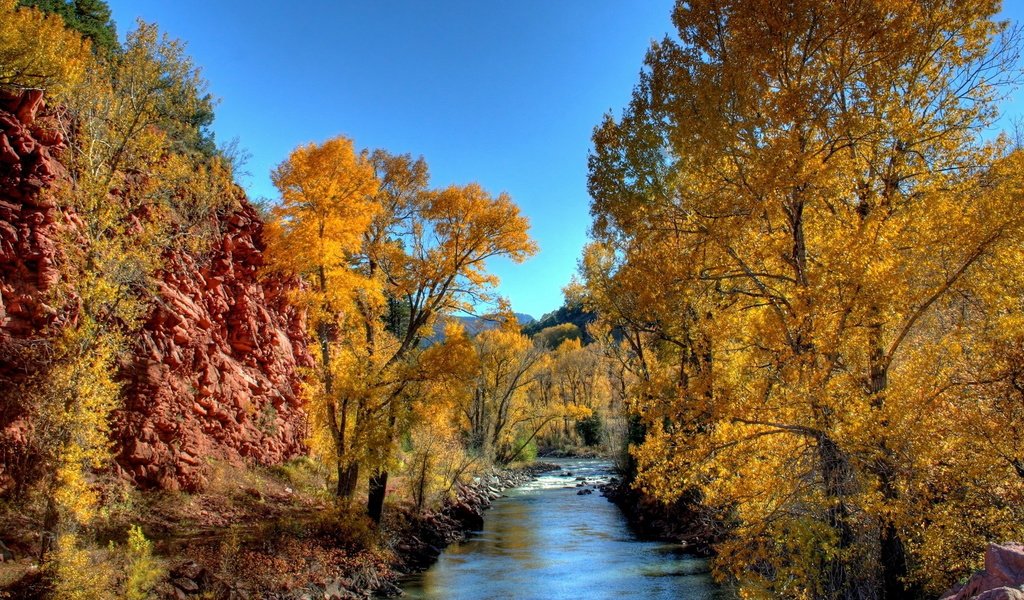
x=1003, y=593
x=1001, y=578
x=467, y=515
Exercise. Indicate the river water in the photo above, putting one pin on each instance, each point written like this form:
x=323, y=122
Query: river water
x=544, y=541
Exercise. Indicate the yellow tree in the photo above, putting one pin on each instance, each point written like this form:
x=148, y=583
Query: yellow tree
x=407, y=255
x=437, y=457
x=55, y=66
x=122, y=206
x=325, y=209
x=430, y=250
x=578, y=375
x=804, y=215
x=109, y=258
x=70, y=428
x=498, y=406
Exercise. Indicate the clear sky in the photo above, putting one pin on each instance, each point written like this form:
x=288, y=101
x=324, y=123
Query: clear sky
x=502, y=93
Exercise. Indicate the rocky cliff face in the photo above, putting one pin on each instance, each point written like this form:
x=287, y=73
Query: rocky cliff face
x=29, y=228
x=28, y=218
x=214, y=371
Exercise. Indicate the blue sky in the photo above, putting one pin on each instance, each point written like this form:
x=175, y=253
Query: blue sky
x=502, y=93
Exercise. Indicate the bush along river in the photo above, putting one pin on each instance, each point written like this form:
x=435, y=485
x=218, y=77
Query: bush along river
x=557, y=537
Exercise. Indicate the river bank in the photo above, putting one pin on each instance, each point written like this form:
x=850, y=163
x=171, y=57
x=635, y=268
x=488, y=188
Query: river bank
x=408, y=542
x=683, y=521
x=272, y=534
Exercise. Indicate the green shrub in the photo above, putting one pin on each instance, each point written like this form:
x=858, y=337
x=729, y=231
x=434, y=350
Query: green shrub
x=590, y=429
x=529, y=451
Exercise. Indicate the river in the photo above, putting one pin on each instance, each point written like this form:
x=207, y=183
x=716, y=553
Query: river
x=544, y=541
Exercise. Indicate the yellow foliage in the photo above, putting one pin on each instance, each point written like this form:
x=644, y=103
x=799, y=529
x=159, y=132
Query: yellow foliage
x=38, y=51
x=383, y=256
x=80, y=573
x=72, y=406
x=326, y=206
x=77, y=575
x=437, y=457
x=496, y=403
x=809, y=263
x=142, y=571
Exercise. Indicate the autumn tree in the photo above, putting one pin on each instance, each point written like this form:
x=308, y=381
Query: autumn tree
x=497, y=406
x=325, y=208
x=428, y=248
x=90, y=18
x=552, y=337
x=435, y=453
x=801, y=231
x=55, y=66
x=572, y=380
x=415, y=254
x=135, y=188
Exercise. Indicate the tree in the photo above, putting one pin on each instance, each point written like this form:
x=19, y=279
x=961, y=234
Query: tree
x=572, y=382
x=326, y=206
x=90, y=18
x=55, y=66
x=418, y=254
x=446, y=237
x=435, y=453
x=583, y=387
x=133, y=103
x=552, y=337
x=796, y=217
x=129, y=198
x=498, y=404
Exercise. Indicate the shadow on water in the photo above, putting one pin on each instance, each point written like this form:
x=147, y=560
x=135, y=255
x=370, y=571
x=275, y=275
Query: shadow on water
x=546, y=541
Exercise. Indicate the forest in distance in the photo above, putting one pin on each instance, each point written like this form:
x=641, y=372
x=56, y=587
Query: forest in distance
x=797, y=328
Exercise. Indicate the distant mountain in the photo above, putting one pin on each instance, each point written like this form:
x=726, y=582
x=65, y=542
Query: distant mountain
x=474, y=325
x=524, y=319
x=477, y=324
x=573, y=313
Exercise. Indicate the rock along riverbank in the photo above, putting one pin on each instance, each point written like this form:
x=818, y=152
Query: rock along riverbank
x=682, y=522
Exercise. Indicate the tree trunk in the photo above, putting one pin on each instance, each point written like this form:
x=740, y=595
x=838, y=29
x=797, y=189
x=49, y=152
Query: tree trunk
x=422, y=488
x=894, y=564
x=375, y=498
x=838, y=480
x=347, y=478
x=378, y=484
x=892, y=553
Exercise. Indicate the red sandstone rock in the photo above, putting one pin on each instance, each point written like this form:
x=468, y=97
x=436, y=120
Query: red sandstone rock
x=1003, y=593
x=214, y=371
x=207, y=394
x=31, y=104
x=1000, y=580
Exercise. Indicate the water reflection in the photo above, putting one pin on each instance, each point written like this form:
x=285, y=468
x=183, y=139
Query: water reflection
x=546, y=541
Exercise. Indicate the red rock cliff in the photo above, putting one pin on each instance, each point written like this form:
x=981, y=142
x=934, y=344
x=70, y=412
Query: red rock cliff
x=214, y=370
